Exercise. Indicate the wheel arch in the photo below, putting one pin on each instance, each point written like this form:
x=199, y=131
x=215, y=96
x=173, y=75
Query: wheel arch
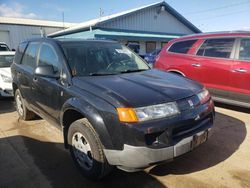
x=175, y=71
x=75, y=109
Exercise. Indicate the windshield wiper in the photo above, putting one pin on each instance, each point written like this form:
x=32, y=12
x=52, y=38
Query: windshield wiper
x=100, y=74
x=133, y=70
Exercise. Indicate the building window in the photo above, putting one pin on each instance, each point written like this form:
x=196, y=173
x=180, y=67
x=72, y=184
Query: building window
x=134, y=45
x=163, y=44
x=150, y=47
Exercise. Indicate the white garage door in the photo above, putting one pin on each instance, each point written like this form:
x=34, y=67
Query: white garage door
x=5, y=37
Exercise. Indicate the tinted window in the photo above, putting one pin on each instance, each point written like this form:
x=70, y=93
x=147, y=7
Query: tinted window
x=244, y=49
x=182, y=47
x=217, y=48
x=29, y=57
x=48, y=56
x=6, y=60
x=4, y=47
x=97, y=58
x=19, y=52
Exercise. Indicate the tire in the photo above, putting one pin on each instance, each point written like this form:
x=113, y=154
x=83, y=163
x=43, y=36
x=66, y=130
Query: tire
x=90, y=160
x=21, y=109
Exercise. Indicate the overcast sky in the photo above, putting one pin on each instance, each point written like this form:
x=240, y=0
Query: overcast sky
x=208, y=15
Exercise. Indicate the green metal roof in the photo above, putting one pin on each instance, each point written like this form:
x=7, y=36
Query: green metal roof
x=120, y=34
x=130, y=35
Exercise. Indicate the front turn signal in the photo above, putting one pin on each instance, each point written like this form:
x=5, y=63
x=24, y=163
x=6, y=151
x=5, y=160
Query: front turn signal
x=127, y=115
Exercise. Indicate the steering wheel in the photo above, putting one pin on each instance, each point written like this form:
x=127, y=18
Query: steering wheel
x=114, y=65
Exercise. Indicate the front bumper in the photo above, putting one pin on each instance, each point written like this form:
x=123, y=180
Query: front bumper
x=133, y=158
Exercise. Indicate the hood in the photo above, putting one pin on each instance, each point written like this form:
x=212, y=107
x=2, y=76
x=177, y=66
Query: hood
x=5, y=71
x=139, y=89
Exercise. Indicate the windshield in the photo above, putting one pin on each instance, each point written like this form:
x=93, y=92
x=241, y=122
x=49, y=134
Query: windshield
x=6, y=60
x=101, y=58
x=4, y=47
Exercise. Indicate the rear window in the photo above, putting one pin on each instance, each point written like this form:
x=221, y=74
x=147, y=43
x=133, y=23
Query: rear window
x=182, y=47
x=220, y=48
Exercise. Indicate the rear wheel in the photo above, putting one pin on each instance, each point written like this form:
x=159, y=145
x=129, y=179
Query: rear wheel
x=86, y=150
x=21, y=109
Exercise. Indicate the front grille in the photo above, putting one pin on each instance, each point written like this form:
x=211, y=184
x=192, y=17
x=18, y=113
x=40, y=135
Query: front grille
x=183, y=104
x=188, y=129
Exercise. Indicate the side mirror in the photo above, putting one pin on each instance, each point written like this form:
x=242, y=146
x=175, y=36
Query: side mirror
x=46, y=71
x=13, y=50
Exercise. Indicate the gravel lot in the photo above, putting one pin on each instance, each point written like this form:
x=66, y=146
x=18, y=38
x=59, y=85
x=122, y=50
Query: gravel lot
x=32, y=155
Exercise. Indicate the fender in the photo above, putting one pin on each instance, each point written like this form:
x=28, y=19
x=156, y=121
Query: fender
x=94, y=117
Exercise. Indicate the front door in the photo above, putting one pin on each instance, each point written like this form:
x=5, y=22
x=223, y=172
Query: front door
x=240, y=72
x=215, y=57
x=47, y=91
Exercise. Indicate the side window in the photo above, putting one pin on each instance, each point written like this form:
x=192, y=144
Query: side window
x=48, y=56
x=30, y=55
x=19, y=52
x=244, y=53
x=182, y=47
x=221, y=48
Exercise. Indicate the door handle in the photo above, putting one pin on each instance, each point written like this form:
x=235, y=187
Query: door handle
x=196, y=65
x=240, y=70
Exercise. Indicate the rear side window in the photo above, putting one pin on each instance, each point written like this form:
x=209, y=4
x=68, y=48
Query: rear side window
x=244, y=49
x=182, y=47
x=30, y=55
x=221, y=48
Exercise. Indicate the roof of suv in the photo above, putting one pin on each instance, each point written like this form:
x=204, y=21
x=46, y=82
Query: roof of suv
x=215, y=34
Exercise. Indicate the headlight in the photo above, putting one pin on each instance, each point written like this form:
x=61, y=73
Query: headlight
x=148, y=113
x=6, y=78
x=203, y=96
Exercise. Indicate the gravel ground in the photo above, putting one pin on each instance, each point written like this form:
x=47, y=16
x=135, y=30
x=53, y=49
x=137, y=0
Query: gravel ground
x=32, y=155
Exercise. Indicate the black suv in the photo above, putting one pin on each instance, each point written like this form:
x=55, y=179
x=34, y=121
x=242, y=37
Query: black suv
x=113, y=109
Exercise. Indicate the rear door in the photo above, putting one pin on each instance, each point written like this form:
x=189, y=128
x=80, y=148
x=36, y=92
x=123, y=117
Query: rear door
x=213, y=60
x=25, y=71
x=178, y=59
x=240, y=72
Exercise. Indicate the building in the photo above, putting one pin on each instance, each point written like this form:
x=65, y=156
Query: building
x=15, y=30
x=151, y=27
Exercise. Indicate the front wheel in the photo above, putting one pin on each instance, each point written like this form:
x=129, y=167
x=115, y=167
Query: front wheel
x=86, y=150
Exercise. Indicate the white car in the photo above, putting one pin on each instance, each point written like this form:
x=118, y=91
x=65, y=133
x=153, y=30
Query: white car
x=6, y=59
